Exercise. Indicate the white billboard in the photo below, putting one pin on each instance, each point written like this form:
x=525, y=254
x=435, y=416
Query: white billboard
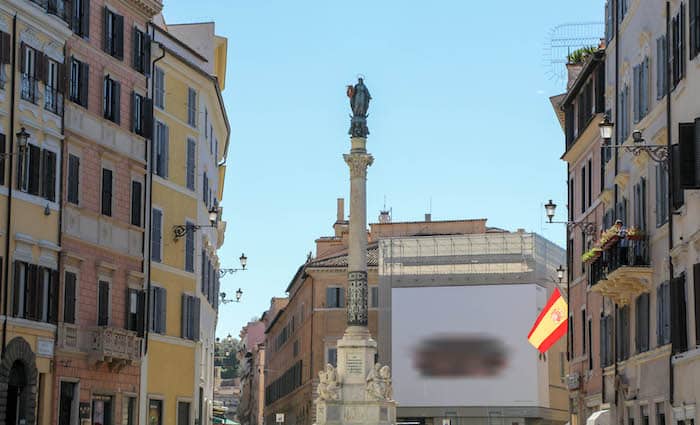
x=466, y=346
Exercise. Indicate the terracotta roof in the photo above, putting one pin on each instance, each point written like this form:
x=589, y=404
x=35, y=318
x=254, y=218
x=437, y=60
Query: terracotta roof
x=341, y=260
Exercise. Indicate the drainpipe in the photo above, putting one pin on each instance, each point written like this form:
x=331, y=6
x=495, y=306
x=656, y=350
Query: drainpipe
x=617, y=141
x=150, y=157
x=669, y=167
x=8, y=221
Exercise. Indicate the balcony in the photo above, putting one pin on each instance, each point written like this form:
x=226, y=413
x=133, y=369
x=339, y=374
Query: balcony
x=28, y=89
x=68, y=337
x=114, y=346
x=623, y=272
x=54, y=7
x=53, y=101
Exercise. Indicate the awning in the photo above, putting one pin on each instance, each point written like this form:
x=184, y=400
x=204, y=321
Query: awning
x=600, y=417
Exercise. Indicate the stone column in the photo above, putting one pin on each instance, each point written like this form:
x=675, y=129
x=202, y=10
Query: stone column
x=358, y=160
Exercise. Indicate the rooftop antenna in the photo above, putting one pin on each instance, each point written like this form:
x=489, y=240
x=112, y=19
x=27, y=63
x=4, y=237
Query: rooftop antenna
x=384, y=214
x=564, y=39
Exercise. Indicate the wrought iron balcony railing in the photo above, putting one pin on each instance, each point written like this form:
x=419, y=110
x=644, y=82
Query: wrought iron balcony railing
x=29, y=88
x=53, y=100
x=627, y=253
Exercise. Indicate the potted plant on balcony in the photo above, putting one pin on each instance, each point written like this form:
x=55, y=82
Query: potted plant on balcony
x=635, y=233
x=592, y=255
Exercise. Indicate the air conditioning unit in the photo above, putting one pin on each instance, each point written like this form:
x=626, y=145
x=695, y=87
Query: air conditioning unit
x=573, y=381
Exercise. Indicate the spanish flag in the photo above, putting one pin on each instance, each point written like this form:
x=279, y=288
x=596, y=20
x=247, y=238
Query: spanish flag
x=551, y=323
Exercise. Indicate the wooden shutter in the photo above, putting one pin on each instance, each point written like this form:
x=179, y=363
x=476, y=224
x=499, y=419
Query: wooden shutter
x=681, y=42
x=85, y=18
x=693, y=29
x=147, y=54
x=84, y=83
x=331, y=300
x=191, y=146
x=696, y=287
x=3, y=150
x=107, y=192
x=696, y=148
x=34, y=169
x=637, y=93
x=679, y=339
x=156, y=234
x=141, y=313
x=5, y=48
x=73, y=179
x=675, y=183
x=196, y=315
x=119, y=36
x=166, y=150
x=136, y=203
x=48, y=175
x=31, y=293
x=116, y=101
x=16, y=289
x=205, y=190
x=184, y=317
x=106, y=36
x=134, y=116
x=54, y=295
x=189, y=248
x=69, y=298
x=147, y=118
x=341, y=297
x=162, y=297
x=136, y=49
x=686, y=142
x=23, y=57
x=103, y=304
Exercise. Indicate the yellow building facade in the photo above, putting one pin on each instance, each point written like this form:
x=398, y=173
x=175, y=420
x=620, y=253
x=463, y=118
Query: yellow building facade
x=191, y=133
x=32, y=42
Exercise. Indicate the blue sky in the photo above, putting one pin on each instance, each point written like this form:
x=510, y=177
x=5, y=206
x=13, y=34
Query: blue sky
x=460, y=116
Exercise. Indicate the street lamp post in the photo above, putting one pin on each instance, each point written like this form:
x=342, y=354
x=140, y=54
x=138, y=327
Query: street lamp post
x=22, y=142
x=181, y=230
x=244, y=261
x=587, y=227
x=657, y=153
x=224, y=300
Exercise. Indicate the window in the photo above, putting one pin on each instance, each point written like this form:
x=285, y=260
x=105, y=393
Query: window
x=69, y=297
x=190, y=317
x=335, y=297
x=113, y=34
x=130, y=407
x=571, y=336
x=332, y=356
x=36, y=173
x=162, y=149
x=677, y=51
x=285, y=384
x=73, y=179
x=5, y=56
x=141, y=117
x=374, y=297
x=590, y=344
x=571, y=199
x=192, y=107
x=660, y=414
x=206, y=123
x=623, y=336
x=111, y=96
x=160, y=88
x=80, y=18
x=155, y=412
x=644, y=410
x=35, y=293
x=183, y=413
x=663, y=314
x=158, y=309
x=642, y=323
x=136, y=197
x=31, y=66
x=606, y=327
x=641, y=90
x=79, y=80
x=142, y=51
x=3, y=149
x=53, y=90
x=103, y=303
x=135, y=310
x=676, y=187
x=694, y=28
x=67, y=404
x=583, y=332
x=609, y=13
x=661, y=196
x=189, y=247
x=191, y=161
x=622, y=7
x=630, y=416
x=661, y=67
x=679, y=325
x=156, y=235
x=102, y=410
x=107, y=192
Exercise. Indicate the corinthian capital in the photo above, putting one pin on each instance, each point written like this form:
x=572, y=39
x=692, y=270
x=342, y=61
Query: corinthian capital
x=358, y=163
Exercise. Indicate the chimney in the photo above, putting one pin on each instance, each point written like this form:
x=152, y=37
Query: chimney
x=573, y=70
x=341, y=210
x=428, y=217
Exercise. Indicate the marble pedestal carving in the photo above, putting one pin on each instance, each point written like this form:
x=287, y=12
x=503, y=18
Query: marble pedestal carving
x=358, y=391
